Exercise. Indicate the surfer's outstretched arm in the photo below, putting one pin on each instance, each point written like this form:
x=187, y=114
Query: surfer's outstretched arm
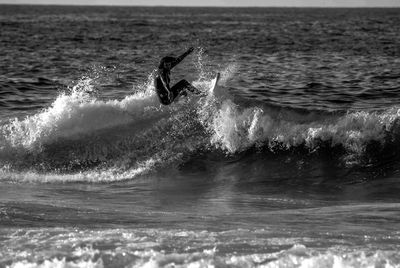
x=181, y=57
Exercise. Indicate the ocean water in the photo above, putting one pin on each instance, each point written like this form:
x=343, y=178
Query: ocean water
x=292, y=161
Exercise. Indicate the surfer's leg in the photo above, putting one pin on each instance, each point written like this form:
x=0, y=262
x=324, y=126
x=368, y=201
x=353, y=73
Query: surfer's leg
x=177, y=90
x=162, y=94
x=182, y=85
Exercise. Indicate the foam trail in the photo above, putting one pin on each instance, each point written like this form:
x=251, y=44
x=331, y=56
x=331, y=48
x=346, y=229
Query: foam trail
x=107, y=175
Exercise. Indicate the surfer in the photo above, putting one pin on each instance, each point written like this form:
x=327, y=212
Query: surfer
x=165, y=93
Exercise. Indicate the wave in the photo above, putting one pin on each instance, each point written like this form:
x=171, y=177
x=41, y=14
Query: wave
x=82, y=138
x=236, y=128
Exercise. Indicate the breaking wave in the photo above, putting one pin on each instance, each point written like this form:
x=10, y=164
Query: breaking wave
x=82, y=138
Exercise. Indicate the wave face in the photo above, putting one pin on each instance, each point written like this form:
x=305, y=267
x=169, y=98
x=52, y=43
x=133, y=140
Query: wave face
x=83, y=138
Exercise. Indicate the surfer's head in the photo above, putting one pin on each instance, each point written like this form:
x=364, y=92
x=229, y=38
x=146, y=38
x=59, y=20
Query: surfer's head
x=166, y=62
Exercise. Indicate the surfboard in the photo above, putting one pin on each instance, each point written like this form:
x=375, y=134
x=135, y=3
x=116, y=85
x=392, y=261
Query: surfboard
x=208, y=91
x=215, y=82
x=211, y=89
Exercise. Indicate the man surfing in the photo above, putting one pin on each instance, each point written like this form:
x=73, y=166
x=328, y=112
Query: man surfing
x=165, y=93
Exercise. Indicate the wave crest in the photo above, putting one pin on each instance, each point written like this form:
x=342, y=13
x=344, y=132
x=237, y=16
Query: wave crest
x=236, y=129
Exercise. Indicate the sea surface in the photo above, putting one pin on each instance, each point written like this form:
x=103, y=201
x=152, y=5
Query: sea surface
x=292, y=161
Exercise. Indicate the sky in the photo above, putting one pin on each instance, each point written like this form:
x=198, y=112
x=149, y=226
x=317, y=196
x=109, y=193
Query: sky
x=286, y=3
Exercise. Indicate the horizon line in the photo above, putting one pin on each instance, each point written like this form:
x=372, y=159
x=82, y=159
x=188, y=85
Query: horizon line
x=194, y=6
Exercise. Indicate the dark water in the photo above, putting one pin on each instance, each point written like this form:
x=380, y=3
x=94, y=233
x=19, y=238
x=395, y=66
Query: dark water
x=292, y=161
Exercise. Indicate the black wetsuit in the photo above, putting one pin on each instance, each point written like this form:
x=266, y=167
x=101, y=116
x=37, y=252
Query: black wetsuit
x=162, y=90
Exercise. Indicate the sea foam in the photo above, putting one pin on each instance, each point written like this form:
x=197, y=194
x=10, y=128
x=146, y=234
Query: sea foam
x=235, y=128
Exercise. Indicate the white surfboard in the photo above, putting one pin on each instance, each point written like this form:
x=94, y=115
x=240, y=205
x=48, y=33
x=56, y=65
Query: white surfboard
x=211, y=89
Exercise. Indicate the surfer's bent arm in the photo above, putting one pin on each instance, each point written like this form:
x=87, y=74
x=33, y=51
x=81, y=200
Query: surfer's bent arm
x=181, y=57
